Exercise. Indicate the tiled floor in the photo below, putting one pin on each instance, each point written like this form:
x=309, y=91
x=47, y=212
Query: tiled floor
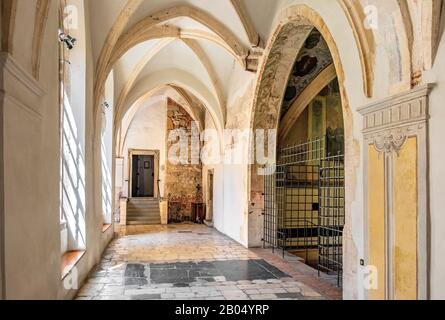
x=193, y=262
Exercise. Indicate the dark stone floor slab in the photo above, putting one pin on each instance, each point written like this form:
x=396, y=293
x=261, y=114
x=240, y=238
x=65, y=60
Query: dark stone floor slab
x=188, y=272
x=297, y=296
x=248, y=270
x=134, y=270
x=146, y=297
x=136, y=282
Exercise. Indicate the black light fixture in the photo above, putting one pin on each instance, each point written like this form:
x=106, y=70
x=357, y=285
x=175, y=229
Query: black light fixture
x=69, y=41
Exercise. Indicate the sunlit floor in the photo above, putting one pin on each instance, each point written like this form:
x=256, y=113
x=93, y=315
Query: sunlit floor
x=194, y=262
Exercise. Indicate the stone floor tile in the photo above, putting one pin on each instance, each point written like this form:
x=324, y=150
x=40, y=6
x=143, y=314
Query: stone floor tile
x=263, y=297
x=195, y=262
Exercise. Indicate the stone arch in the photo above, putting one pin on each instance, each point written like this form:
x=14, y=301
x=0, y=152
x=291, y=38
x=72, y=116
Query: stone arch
x=42, y=9
x=294, y=25
x=136, y=72
x=116, y=30
x=128, y=41
x=304, y=99
x=365, y=41
x=193, y=13
x=138, y=33
x=249, y=28
x=177, y=78
x=196, y=49
x=173, y=93
x=8, y=12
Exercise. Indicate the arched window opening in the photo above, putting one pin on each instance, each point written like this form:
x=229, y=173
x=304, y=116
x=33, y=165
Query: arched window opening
x=72, y=131
x=107, y=151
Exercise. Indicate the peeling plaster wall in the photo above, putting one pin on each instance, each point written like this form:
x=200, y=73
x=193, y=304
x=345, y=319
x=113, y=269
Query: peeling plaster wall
x=183, y=182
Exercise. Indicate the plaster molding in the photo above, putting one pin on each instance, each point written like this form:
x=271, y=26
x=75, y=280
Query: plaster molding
x=398, y=111
x=388, y=124
x=390, y=142
x=23, y=106
x=11, y=67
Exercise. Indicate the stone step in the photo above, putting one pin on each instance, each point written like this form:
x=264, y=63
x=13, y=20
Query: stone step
x=131, y=208
x=138, y=223
x=143, y=211
x=143, y=215
x=143, y=200
x=143, y=218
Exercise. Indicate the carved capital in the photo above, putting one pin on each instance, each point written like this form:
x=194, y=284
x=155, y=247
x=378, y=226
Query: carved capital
x=390, y=142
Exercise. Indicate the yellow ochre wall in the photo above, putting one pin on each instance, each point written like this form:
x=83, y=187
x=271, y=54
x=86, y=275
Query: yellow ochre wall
x=405, y=210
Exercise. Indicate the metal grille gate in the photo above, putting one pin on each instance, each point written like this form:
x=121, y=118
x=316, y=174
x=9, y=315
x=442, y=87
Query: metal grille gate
x=304, y=202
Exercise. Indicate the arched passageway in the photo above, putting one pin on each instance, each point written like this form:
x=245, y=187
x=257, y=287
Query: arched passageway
x=291, y=196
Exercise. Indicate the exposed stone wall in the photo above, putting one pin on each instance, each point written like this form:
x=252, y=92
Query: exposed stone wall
x=183, y=182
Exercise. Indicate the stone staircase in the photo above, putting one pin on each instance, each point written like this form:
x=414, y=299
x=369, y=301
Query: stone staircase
x=143, y=211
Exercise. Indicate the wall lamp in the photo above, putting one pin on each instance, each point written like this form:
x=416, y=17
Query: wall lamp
x=69, y=41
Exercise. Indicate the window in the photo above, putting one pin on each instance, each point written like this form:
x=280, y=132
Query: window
x=107, y=151
x=72, y=131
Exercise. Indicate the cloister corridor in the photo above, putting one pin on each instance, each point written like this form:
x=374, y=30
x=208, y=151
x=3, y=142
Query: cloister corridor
x=194, y=262
x=163, y=150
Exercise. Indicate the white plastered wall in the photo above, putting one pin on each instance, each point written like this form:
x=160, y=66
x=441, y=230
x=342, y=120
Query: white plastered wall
x=32, y=153
x=437, y=173
x=147, y=131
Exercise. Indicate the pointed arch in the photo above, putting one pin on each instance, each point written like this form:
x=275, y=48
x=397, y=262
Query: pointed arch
x=365, y=41
x=193, y=13
x=304, y=99
x=8, y=12
x=293, y=26
x=174, y=93
x=204, y=59
x=178, y=78
x=118, y=27
x=135, y=73
x=42, y=9
x=249, y=28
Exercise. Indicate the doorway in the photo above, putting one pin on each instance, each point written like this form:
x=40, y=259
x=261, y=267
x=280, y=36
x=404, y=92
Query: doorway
x=144, y=174
x=210, y=182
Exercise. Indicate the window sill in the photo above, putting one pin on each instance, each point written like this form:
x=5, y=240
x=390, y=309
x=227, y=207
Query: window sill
x=105, y=227
x=63, y=225
x=69, y=261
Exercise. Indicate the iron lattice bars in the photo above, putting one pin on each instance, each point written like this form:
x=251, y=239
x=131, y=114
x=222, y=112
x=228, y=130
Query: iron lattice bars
x=304, y=203
x=331, y=218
